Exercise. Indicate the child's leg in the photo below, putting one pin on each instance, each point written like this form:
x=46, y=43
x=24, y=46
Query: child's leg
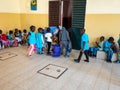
x=41, y=50
x=109, y=55
x=49, y=45
x=95, y=51
x=30, y=49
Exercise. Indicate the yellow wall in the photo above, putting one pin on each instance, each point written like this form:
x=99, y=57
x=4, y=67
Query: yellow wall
x=17, y=14
x=39, y=20
x=9, y=15
x=9, y=21
x=102, y=18
x=102, y=25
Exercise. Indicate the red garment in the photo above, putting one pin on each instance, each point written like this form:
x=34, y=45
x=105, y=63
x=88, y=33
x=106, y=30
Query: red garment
x=4, y=37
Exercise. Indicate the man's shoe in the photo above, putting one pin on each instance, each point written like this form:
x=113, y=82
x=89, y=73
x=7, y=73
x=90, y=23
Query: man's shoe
x=86, y=60
x=76, y=60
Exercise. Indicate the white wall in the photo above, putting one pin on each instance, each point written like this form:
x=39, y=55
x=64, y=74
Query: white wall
x=9, y=6
x=103, y=7
x=42, y=6
x=23, y=6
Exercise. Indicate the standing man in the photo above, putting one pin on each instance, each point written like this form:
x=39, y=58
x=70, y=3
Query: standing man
x=64, y=39
x=84, y=46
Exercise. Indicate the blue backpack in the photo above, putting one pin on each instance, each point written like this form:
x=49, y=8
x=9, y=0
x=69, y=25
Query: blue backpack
x=56, y=51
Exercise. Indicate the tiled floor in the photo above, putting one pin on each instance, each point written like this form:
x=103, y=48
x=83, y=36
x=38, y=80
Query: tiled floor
x=20, y=73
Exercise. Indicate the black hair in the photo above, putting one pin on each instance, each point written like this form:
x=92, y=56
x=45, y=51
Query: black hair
x=20, y=31
x=48, y=29
x=0, y=31
x=111, y=39
x=32, y=28
x=10, y=32
x=25, y=31
x=102, y=37
x=40, y=29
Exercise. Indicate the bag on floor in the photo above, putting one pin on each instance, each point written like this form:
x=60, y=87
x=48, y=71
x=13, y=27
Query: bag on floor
x=56, y=51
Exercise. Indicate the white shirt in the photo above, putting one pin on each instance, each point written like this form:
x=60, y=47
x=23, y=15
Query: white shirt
x=49, y=37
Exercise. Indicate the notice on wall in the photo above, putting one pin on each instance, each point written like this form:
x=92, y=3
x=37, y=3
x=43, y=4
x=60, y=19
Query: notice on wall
x=33, y=4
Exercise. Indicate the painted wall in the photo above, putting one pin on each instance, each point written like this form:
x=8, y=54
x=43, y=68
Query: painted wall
x=39, y=18
x=9, y=15
x=102, y=18
x=17, y=14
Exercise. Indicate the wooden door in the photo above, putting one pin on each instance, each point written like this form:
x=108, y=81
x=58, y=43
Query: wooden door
x=54, y=13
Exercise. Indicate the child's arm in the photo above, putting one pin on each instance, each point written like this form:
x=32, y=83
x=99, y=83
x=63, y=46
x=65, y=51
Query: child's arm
x=98, y=44
x=28, y=35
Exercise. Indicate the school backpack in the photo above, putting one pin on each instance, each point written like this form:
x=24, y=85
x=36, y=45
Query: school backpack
x=56, y=51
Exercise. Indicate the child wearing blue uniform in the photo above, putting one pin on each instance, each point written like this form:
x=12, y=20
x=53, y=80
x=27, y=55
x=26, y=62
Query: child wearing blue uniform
x=99, y=46
x=10, y=38
x=84, y=46
x=39, y=41
x=31, y=40
x=107, y=47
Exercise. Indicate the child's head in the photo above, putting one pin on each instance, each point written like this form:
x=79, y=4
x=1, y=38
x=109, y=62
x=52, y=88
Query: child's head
x=102, y=38
x=16, y=30
x=32, y=28
x=10, y=32
x=40, y=30
x=82, y=31
x=0, y=31
x=111, y=39
x=20, y=31
x=48, y=29
x=25, y=31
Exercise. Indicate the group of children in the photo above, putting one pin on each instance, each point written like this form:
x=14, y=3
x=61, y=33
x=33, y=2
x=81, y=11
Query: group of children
x=109, y=46
x=13, y=38
x=38, y=41
x=45, y=39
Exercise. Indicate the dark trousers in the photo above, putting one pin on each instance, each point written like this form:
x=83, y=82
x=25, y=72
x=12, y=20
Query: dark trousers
x=1, y=43
x=86, y=55
x=49, y=46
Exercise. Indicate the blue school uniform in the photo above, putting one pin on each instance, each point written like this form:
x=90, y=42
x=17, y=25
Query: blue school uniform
x=39, y=42
x=10, y=39
x=119, y=42
x=108, y=50
x=85, y=39
x=93, y=50
x=32, y=39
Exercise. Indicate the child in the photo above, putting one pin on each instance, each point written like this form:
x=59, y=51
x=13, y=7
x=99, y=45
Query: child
x=48, y=37
x=31, y=40
x=24, y=36
x=17, y=35
x=99, y=46
x=1, y=44
x=4, y=40
x=118, y=61
x=84, y=46
x=10, y=38
x=119, y=41
x=39, y=41
x=107, y=47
